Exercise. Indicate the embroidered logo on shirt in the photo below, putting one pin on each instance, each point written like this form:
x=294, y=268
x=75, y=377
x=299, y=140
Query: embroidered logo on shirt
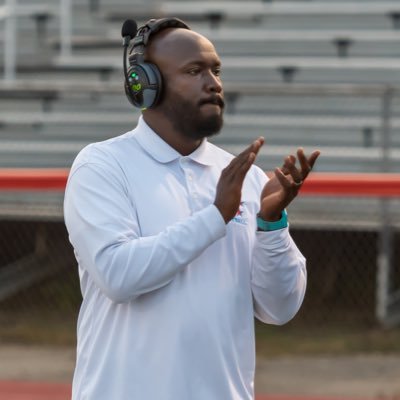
x=239, y=217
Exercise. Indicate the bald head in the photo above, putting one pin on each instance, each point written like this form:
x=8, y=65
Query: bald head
x=177, y=46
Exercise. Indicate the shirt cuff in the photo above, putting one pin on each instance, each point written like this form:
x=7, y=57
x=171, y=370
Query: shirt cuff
x=273, y=239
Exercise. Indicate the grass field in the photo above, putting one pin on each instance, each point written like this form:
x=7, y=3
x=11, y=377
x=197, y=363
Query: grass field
x=302, y=340
x=37, y=327
x=47, y=313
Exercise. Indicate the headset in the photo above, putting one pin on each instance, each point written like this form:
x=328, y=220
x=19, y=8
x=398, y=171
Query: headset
x=143, y=81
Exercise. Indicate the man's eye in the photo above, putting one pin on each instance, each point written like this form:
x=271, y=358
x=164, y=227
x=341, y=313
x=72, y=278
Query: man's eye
x=194, y=71
x=217, y=72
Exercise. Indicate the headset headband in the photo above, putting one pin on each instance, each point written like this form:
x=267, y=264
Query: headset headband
x=150, y=28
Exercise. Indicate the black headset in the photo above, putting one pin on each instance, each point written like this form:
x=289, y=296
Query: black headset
x=143, y=81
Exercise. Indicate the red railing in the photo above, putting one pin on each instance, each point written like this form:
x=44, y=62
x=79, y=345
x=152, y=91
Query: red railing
x=318, y=183
x=352, y=184
x=33, y=179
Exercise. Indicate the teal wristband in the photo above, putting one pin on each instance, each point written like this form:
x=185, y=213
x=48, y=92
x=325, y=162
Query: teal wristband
x=273, y=226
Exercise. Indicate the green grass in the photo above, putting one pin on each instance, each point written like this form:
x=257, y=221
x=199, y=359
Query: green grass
x=47, y=314
x=38, y=329
x=271, y=341
x=334, y=340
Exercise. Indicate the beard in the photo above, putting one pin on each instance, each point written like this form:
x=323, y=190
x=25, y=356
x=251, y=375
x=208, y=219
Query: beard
x=187, y=117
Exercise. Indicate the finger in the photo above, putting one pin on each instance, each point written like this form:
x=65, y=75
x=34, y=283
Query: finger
x=254, y=147
x=282, y=178
x=236, y=171
x=294, y=186
x=242, y=158
x=288, y=159
x=293, y=171
x=313, y=157
x=307, y=164
x=235, y=176
x=244, y=168
x=304, y=163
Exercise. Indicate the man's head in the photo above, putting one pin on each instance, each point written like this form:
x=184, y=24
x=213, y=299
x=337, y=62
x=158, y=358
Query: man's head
x=192, y=96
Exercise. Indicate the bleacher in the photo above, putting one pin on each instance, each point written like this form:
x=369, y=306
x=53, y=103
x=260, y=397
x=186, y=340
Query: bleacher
x=314, y=73
x=319, y=74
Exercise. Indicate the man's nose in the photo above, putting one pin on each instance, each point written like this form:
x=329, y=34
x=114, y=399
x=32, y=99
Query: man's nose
x=213, y=83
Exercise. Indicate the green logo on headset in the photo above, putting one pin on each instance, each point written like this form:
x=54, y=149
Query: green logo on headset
x=137, y=87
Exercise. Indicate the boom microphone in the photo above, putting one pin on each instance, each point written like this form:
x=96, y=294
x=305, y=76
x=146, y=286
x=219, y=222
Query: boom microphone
x=128, y=32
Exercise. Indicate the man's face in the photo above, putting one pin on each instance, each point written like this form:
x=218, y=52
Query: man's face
x=192, y=93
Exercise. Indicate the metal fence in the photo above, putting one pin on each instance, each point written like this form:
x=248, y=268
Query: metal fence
x=354, y=271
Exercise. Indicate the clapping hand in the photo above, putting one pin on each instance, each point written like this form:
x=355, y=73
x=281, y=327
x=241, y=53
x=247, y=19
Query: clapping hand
x=284, y=184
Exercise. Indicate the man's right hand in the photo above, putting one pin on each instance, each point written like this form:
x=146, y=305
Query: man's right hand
x=229, y=187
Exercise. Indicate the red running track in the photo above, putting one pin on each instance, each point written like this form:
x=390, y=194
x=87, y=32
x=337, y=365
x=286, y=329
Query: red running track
x=17, y=390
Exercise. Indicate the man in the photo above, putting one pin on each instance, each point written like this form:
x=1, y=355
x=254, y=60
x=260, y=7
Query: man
x=174, y=263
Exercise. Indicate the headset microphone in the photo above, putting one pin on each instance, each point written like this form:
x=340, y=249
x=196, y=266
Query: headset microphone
x=128, y=32
x=143, y=81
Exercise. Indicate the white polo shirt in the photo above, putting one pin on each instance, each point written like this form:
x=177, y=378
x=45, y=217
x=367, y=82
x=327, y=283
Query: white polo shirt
x=170, y=291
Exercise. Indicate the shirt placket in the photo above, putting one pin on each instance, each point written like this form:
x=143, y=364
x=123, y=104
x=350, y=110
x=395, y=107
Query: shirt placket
x=191, y=185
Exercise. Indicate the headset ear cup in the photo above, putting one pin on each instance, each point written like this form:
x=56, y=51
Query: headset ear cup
x=133, y=88
x=143, y=81
x=153, y=92
x=145, y=85
x=129, y=95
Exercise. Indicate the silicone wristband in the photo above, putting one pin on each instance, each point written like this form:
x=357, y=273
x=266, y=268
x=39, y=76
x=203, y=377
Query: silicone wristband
x=273, y=226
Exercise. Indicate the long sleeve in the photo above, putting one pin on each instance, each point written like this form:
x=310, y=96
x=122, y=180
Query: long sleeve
x=105, y=232
x=279, y=277
x=162, y=274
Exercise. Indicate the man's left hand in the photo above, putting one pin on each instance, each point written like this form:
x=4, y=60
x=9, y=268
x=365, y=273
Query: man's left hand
x=284, y=184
